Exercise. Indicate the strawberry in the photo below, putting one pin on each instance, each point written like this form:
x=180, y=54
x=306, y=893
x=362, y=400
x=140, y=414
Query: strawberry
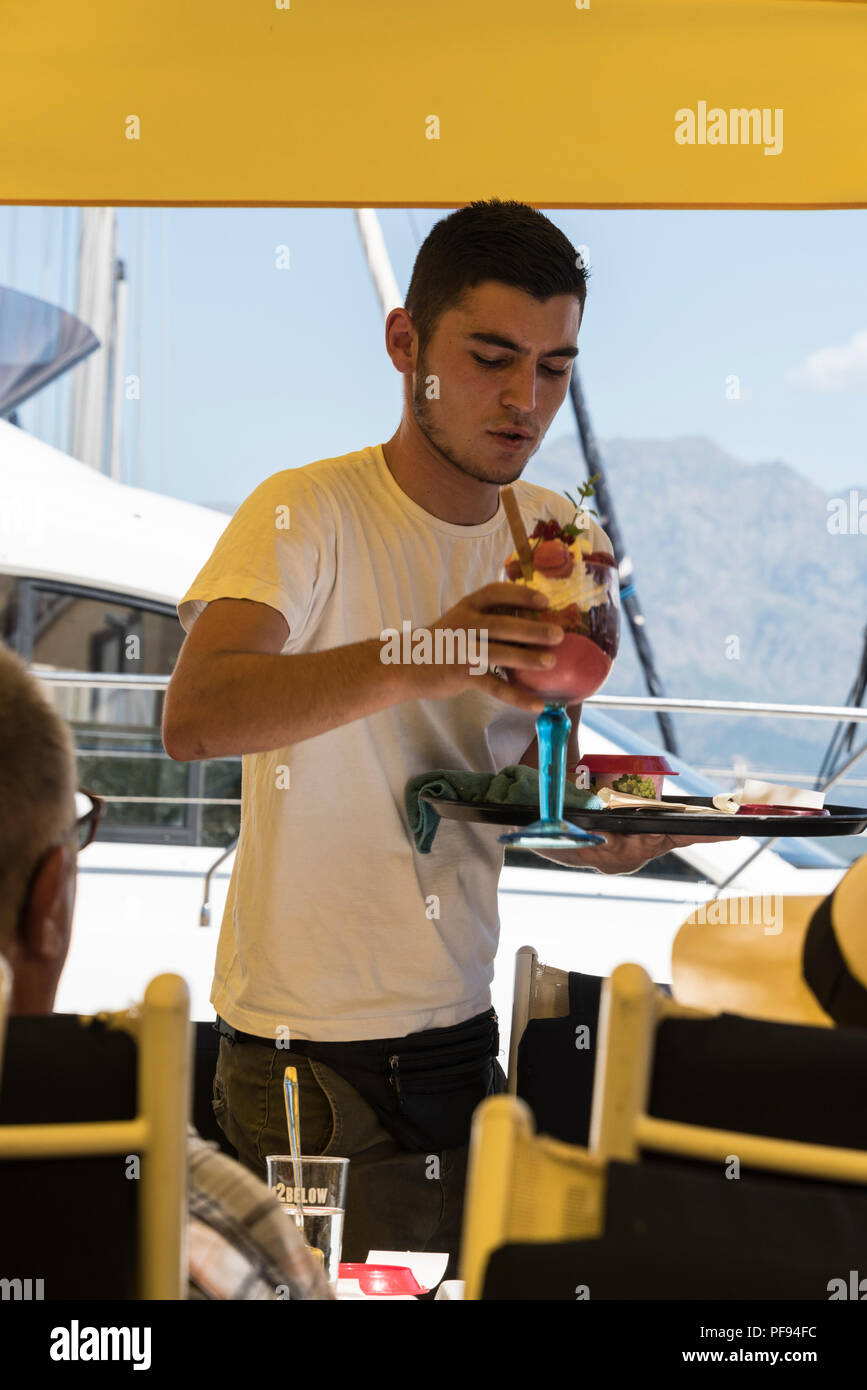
x=552, y=558
x=600, y=557
x=549, y=530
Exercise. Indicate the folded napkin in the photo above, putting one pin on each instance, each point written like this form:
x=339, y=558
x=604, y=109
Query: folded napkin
x=770, y=793
x=513, y=786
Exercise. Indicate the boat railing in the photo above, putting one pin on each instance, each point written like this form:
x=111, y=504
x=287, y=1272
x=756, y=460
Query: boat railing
x=846, y=714
x=100, y=680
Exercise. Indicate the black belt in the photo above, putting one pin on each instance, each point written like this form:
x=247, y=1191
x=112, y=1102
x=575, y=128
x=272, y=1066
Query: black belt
x=424, y=1086
x=226, y=1030
x=476, y=1027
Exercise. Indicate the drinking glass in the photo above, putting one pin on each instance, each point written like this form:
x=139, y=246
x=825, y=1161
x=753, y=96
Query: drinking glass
x=582, y=662
x=323, y=1202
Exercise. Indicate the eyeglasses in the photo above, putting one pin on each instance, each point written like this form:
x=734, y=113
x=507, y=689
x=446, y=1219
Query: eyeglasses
x=88, y=810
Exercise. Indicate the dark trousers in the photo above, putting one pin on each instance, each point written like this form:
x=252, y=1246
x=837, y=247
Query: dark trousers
x=398, y=1108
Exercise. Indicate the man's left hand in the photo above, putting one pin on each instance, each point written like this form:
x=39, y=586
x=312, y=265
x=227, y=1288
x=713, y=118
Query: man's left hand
x=624, y=854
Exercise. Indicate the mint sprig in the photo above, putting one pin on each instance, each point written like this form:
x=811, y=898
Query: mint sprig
x=585, y=490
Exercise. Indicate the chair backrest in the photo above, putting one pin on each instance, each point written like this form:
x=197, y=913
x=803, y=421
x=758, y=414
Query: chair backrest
x=781, y=1080
x=522, y=1187
x=557, y=1062
x=674, y=1230
x=156, y=1130
x=621, y=1125
x=5, y=997
x=541, y=991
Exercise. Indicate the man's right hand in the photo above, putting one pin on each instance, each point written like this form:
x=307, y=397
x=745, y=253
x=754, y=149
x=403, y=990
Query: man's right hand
x=233, y=692
x=490, y=609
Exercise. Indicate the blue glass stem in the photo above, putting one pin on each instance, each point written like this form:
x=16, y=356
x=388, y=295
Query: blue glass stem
x=552, y=731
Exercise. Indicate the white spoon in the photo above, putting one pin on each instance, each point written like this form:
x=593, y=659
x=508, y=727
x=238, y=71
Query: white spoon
x=613, y=801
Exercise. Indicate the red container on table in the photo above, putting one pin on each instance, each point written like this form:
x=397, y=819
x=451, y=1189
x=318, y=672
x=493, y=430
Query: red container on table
x=619, y=771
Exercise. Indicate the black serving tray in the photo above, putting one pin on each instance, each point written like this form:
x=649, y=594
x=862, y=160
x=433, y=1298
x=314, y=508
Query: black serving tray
x=841, y=820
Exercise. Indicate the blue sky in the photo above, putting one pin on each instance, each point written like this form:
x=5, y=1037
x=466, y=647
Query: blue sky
x=247, y=369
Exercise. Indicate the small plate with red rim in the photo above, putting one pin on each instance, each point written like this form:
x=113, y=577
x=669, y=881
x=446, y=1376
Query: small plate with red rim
x=383, y=1279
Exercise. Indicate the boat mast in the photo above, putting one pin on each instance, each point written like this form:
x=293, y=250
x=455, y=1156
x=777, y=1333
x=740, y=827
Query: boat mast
x=608, y=522
x=843, y=736
x=118, y=338
x=100, y=303
x=378, y=263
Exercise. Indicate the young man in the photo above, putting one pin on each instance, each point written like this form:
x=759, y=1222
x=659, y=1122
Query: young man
x=343, y=951
x=240, y=1245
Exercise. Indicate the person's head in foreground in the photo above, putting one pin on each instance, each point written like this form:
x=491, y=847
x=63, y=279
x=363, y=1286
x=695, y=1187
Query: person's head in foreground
x=39, y=837
x=487, y=335
x=809, y=966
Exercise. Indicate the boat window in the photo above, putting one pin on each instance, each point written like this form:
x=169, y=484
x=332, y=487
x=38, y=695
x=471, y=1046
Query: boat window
x=8, y=609
x=150, y=798
x=72, y=632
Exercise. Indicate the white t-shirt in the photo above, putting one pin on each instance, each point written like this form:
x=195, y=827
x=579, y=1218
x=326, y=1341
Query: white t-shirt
x=335, y=926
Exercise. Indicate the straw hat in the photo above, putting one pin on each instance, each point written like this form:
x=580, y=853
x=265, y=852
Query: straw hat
x=809, y=966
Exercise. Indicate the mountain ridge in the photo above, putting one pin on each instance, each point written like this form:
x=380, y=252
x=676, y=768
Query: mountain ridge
x=753, y=560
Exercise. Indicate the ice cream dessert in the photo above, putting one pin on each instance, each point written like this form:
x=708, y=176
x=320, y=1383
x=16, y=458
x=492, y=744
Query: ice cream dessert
x=583, y=598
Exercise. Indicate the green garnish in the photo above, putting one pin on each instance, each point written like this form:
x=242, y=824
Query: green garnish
x=634, y=785
x=585, y=490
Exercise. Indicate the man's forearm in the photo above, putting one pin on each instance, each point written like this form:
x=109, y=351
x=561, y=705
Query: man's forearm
x=252, y=702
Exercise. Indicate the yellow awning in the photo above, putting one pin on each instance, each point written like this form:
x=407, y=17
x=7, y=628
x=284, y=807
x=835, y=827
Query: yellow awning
x=561, y=103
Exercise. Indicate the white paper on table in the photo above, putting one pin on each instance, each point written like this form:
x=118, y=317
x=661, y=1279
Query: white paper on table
x=771, y=794
x=427, y=1266
x=450, y=1289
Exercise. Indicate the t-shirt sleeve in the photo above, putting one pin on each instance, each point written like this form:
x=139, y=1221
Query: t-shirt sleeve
x=278, y=549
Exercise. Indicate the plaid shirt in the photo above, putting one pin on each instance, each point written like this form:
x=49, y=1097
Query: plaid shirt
x=240, y=1244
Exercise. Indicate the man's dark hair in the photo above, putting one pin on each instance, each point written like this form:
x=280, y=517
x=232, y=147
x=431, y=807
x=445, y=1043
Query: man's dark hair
x=505, y=241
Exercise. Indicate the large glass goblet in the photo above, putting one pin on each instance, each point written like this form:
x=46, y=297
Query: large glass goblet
x=582, y=662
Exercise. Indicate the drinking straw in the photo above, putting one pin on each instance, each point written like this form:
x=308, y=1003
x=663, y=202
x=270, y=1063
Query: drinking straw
x=519, y=535
x=293, y=1122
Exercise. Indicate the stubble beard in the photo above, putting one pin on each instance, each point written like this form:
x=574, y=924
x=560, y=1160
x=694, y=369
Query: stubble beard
x=423, y=414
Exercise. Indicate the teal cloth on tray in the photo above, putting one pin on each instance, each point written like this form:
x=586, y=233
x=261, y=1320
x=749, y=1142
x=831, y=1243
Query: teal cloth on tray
x=517, y=785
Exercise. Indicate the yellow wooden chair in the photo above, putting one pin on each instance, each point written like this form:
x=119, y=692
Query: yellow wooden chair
x=524, y=1187
x=161, y=1030
x=620, y=1125
x=5, y=997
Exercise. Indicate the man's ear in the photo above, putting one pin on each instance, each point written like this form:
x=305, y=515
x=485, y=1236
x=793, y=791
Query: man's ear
x=47, y=916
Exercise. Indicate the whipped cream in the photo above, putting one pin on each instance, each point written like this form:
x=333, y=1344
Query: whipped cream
x=580, y=588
